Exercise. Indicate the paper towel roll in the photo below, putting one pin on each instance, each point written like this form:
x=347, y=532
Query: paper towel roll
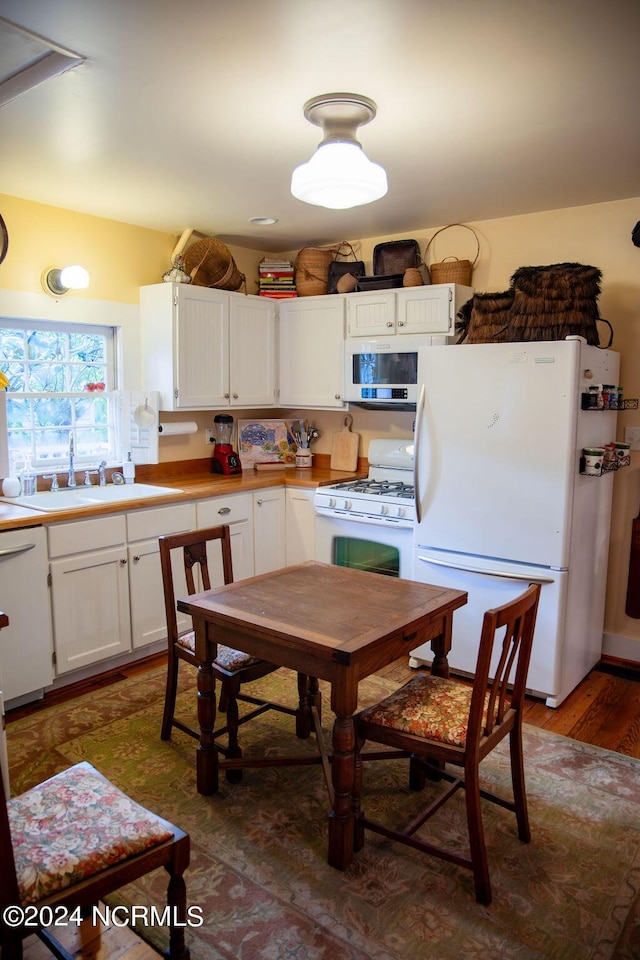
x=178, y=428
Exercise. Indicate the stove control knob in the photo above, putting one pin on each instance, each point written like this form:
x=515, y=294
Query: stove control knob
x=401, y=511
x=332, y=502
x=384, y=510
x=347, y=505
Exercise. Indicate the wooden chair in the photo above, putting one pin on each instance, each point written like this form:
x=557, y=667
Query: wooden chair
x=69, y=842
x=438, y=721
x=231, y=667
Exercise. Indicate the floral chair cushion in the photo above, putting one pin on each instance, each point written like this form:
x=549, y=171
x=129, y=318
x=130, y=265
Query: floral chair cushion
x=428, y=707
x=73, y=826
x=227, y=658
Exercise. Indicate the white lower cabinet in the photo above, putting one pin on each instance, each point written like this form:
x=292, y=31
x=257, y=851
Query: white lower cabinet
x=106, y=582
x=300, y=525
x=269, y=550
x=89, y=591
x=237, y=511
x=148, y=621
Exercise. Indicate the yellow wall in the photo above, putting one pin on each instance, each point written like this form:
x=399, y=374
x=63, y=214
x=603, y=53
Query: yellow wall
x=121, y=257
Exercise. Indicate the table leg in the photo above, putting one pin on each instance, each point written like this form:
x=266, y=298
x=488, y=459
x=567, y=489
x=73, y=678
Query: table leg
x=441, y=645
x=303, y=713
x=206, y=754
x=343, y=771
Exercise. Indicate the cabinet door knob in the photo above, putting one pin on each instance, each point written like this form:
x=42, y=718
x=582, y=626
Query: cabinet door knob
x=337, y=396
x=401, y=323
x=259, y=502
x=389, y=323
x=224, y=510
x=136, y=557
x=226, y=396
x=123, y=562
x=235, y=396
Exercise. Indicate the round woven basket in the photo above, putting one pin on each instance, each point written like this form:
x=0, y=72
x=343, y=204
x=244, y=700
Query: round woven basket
x=312, y=271
x=451, y=269
x=412, y=277
x=209, y=264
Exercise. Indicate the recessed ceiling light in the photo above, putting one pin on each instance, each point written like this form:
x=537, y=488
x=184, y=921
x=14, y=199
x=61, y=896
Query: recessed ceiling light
x=263, y=221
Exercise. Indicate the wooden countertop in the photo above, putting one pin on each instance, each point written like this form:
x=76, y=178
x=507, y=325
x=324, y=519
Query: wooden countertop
x=196, y=483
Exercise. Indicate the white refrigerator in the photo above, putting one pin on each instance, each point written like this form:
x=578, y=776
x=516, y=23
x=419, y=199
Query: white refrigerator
x=501, y=501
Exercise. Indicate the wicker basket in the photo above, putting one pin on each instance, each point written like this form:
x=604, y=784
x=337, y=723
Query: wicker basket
x=209, y=264
x=451, y=269
x=412, y=277
x=312, y=271
x=395, y=256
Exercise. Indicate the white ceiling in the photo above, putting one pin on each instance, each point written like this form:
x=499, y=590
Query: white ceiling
x=189, y=115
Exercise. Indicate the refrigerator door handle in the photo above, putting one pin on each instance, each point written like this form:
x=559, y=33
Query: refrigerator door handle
x=504, y=574
x=417, y=443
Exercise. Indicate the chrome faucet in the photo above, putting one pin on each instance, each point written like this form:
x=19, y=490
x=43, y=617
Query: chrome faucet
x=101, y=474
x=71, y=479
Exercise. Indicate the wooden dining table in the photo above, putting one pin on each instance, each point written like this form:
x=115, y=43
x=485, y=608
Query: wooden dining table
x=335, y=623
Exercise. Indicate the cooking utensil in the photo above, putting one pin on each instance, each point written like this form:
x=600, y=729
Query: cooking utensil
x=344, y=447
x=632, y=606
x=144, y=416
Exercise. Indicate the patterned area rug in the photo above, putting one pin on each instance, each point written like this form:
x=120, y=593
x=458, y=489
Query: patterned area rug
x=258, y=865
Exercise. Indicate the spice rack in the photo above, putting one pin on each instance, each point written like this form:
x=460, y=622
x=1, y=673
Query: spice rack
x=603, y=396
x=598, y=461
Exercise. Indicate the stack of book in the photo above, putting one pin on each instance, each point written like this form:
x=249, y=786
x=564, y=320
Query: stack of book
x=276, y=279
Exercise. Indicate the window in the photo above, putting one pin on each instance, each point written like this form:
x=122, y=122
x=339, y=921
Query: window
x=61, y=381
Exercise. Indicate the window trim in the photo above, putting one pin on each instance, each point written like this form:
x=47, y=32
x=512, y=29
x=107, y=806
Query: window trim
x=111, y=333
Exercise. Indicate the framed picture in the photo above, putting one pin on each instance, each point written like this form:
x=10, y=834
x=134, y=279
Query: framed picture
x=265, y=441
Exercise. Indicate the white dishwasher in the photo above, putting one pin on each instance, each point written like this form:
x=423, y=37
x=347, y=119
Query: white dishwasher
x=26, y=645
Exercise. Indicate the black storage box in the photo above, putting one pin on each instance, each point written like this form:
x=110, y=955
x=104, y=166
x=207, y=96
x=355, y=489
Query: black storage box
x=380, y=283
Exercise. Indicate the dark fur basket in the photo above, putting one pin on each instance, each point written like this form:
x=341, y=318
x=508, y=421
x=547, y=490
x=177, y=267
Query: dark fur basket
x=543, y=303
x=485, y=318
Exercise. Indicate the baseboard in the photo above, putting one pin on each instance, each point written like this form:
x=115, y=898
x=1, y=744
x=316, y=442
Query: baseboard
x=619, y=647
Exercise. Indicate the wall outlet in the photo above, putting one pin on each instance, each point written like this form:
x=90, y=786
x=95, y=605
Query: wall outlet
x=208, y=435
x=632, y=436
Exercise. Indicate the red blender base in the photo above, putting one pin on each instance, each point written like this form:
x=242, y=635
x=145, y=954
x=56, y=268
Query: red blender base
x=225, y=460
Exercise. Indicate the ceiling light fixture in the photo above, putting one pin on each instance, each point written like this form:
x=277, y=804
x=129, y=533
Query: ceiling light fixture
x=58, y=282
x=263, y=221
x=339, y=175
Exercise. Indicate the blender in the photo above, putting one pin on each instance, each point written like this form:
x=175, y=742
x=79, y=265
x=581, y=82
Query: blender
x=225, y=459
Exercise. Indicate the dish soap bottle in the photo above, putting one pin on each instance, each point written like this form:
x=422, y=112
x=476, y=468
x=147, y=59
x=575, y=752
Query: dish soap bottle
x=28, y=480
x=129, y=470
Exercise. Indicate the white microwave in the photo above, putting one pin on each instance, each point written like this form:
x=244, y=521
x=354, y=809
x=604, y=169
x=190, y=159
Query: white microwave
x=383, y=372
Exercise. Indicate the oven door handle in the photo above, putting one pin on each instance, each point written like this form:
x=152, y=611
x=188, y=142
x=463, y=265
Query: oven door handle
x=417, y=444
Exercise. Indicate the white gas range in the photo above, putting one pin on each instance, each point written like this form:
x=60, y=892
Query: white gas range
x=369, y=523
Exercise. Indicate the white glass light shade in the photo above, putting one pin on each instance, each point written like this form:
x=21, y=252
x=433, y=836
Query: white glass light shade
x=74, y=278
x=58, y=282
x=339, y=175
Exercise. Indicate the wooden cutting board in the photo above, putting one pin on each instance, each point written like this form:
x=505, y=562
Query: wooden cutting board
x=344, y=447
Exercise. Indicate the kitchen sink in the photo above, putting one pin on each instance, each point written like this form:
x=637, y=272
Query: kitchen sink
x=48, y=502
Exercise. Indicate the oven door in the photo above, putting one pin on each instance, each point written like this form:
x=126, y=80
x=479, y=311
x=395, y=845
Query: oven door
x=365, y=543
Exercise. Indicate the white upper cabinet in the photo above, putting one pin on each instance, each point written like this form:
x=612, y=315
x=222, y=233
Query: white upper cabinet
x=206, y=349
x=311, y=354
x=430, y=309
